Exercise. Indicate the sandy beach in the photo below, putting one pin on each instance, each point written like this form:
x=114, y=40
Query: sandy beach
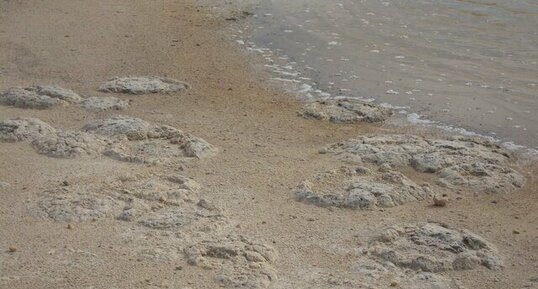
x=213, y=184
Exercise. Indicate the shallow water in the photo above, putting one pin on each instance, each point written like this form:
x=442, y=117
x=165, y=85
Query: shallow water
x=471, y=64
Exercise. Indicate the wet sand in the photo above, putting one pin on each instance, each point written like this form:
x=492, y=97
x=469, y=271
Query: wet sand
x=466, y=64
x=265, y=151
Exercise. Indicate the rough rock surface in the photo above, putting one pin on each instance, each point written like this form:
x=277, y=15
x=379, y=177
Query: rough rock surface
x=143, y=85
x=69, y=144
x=168, y=221
x=412, y=257
x=240, y=263
x=345, y=111
x=104, y=103
x=67, y=205
x=155, y=202
x=360, y=189
x=40, y=97
x=459, y=162
x=378, y=275
x=23, y=128
x=130, y=127
x=430, y=247
x=4, y=185
x=140, y=141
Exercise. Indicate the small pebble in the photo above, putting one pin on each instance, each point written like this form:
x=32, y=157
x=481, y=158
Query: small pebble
x=440, y=201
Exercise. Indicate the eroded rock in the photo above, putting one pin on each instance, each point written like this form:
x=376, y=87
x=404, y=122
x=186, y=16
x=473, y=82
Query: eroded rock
x=430, y=247
x=69, y=144
x=23, y=129
x=143, y=85
x=360, y=189
x=132, y=128
x=239, y=262
x=39, y=97
x=345, y=111
x=141, y=141
x=459, y=162
x=104, y=103
x=72, y=205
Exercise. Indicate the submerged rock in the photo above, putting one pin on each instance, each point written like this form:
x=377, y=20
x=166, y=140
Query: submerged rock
x=23, y=129
x=360, y=189
x=345, y=111
x=239, y=262
x=430, y=247
x=459, y=162
x=39, y=97
x=143, y=85
x=104, y=103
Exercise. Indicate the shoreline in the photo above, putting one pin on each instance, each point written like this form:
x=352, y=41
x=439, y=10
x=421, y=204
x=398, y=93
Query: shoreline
x=369, y=59
x=265, y=151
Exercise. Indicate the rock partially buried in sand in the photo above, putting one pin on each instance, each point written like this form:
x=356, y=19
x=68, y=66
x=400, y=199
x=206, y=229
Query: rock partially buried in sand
x=23, y=129
x=430, y=247
x=69, y=144
x=104, y=103
x=132, y=128
x=345, y=111
x=347, y=188
x=459, y=162
x=63, y=205
x=147, y=142
x=39, y=97
x=143, y=85
x=121, y=138
x=163, y=203
x=240, y=263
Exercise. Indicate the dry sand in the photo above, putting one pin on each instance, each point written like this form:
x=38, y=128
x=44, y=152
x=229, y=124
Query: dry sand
x=265, y=151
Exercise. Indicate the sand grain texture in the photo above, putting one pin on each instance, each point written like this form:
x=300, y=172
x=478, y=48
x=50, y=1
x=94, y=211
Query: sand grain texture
x=81, y=220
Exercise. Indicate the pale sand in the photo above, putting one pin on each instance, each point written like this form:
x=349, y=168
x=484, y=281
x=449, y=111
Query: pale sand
x=265, y=151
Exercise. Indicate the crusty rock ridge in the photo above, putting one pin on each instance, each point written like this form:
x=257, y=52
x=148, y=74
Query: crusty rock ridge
x=345, y=111
x=143, y=85
x=459, y=162
x=39, y=97
x=166, y=219
x=360, y=188
x=23, y=129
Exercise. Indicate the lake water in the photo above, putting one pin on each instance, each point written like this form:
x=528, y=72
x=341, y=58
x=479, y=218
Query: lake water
x=469, y=64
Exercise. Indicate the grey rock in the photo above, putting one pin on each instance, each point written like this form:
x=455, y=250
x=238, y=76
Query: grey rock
x=197, y=147
x=430, y=247
x=104, y=103
x=345, y=111
x=459, y=162
x=139, y=141
x=360, y=190
x=167, y=219
x=130, y=127
x=39, y=97
x=69, y=144
x=143, y=85
x=62, y=205
x=240, y=262
x=23, y=129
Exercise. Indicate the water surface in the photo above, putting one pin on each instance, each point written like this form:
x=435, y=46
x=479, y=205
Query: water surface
x=471, y=64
